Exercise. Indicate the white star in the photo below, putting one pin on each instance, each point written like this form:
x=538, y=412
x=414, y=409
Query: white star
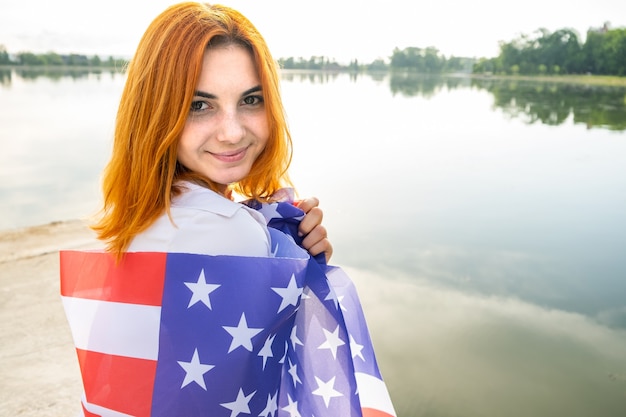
x=201, y=290
x=240, y=405
x=290, y=294
x=356, y=349
x=266, y=350
x=293, y=371
x=333, y=341
x=282, y=360
x=271, y=407
x=292, y=407
x=242, y=334
x=326, y=390
x=340, y=299
x=332, y=296
x=294, y=338
x=194, y=371
x=270, y=211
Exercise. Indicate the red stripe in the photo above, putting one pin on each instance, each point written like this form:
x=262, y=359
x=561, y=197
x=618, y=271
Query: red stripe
x=138, y=279
x=117, y=382
x=371, y=412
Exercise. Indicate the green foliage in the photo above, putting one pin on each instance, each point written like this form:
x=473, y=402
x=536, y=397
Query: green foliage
x=28, y=58
x=556, y=103
x=542, y=53
x=560, y=52
x=54, y=59
x=378, y=65
x=313, y=63
x=4, y=56
x=428, y=61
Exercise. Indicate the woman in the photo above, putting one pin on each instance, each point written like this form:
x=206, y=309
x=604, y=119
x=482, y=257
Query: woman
x=200, y=118
x=209, y=306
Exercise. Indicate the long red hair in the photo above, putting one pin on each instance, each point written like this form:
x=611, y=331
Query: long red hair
x=139, y=181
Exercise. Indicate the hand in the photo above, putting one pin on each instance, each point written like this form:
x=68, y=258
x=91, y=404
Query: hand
x=315, y=235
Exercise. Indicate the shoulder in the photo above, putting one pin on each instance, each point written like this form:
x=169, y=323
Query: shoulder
x=195, y=197
x=205, y=222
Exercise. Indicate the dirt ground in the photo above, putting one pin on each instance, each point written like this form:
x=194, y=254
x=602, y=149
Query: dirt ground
x=39, y=373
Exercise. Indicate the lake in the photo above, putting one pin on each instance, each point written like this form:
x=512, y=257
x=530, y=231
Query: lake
x=483, y=221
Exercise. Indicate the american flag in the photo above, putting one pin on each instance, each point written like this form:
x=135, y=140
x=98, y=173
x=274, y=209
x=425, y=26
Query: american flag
x=173, y=334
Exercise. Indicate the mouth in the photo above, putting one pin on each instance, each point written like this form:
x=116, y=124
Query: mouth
x=230, y=156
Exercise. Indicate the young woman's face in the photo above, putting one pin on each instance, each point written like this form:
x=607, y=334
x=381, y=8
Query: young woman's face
x=227, y=128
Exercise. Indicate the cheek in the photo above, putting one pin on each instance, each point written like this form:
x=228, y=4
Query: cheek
x=185, y=143
x=262, y=131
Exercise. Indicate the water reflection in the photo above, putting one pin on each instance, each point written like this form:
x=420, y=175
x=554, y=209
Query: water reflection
x=530, y=101
x=449, y=353
x=554, y=103
x=424, y=85
x=53, y=74
x=313, y=77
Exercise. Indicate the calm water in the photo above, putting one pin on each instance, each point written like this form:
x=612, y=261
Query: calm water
x=483, y=222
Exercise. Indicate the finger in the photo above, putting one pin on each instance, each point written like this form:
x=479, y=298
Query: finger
x=323, y=246
x=316, y=235
x=307, y=204
x=312, y=219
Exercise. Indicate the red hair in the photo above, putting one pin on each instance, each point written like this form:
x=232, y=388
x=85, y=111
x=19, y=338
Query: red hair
x=139, y=180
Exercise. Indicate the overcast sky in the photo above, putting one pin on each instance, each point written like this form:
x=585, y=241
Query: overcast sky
x=342, y=30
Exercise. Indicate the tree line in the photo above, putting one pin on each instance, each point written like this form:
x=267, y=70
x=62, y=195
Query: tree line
x=560, y=52
x=55, y=59
x=543, y=53
x=426, y=60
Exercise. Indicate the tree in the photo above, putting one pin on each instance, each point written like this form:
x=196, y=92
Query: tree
x=53, y=58
x=4, y=56
x=28, y=58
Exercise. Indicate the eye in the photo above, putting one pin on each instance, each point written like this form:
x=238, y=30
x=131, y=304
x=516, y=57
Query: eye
x=197, y=106
x=252, y=100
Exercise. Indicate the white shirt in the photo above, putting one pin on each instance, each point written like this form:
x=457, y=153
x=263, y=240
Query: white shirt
x=205, y=222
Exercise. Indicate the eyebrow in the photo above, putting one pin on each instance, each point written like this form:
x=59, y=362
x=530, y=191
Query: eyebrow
x=213, y=96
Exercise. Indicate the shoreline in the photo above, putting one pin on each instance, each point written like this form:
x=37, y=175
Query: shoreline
x=33, y=241
x=38, y=360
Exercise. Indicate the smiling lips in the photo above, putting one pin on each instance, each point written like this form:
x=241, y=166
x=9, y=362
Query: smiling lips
x=230, y=156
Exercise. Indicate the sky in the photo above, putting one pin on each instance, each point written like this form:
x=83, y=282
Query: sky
x=341, y=30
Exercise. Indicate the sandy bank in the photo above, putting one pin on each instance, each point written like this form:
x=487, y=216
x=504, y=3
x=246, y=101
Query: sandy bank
x=39, y=374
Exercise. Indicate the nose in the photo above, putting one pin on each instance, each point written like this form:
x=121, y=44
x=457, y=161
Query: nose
x=230, y=128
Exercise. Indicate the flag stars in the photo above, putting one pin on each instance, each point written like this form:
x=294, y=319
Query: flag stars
x=326, y=390
x=240, y=405
x=201, y=291
x=293, y=371
x=333, y=341
x=356, y=349
x=332, y=296
x=294, y=338
x=282, y=360
x=292, y=407
x=266, y=350
x=340, y=299
x=271, y=407
x=194, y=371
x=270, y=211
x=242, y=334
x=290, y=294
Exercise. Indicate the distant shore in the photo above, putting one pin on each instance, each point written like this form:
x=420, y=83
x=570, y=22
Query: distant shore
x=587, y=79
x=599, y=80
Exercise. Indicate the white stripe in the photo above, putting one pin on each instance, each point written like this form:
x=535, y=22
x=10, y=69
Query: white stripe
x=101, y=411
x=373, y=393
x=114, y=328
